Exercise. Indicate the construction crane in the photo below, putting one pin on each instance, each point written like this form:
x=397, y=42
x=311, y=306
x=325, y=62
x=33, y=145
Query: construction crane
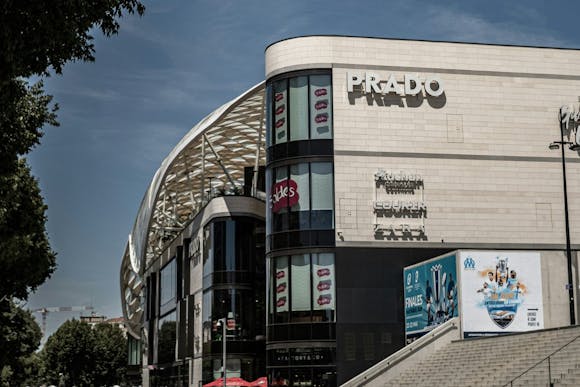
x=44, y=311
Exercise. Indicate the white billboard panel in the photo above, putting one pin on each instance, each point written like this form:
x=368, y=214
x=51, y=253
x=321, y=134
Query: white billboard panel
x=501, y=292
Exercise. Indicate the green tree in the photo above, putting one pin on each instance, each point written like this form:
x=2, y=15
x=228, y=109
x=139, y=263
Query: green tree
x=25, y=255
x=19, y=337
x=111, y=361
x=85, y=356
x=35, y=38
x=70, y=351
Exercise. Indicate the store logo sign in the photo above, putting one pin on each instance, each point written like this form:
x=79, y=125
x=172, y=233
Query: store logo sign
x=370, y=82
x=469, y=263
x=570, y=120
x=284, y=194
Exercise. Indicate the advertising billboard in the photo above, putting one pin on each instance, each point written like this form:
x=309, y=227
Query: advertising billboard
x=501, y=292
x=430, y=292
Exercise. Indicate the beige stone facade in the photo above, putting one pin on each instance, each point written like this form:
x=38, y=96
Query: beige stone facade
x=488, y=179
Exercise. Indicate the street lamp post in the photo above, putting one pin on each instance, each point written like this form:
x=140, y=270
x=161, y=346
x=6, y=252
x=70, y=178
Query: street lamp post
x=570, y=285
x=222, y=322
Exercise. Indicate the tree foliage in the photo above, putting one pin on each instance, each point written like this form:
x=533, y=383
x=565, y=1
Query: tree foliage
x=36, y=35
x=35, y=38
x=111, y=362
x=25, y=255
x=85, y=356
x=19, y=337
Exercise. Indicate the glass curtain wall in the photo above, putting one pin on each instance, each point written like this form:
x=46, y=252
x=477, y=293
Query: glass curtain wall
x=301, y=288
x=234, y=287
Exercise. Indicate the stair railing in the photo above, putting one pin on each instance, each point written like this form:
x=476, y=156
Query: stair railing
x=548, y=358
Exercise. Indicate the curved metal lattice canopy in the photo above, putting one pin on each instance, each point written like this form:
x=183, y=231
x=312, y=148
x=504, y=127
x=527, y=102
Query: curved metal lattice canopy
x=210, y=158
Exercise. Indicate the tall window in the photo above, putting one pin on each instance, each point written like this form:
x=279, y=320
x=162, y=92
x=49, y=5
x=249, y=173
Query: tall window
x=299, y=108
x=167, y=336
x=168, y=283
x=303, y=291
x=301, y=197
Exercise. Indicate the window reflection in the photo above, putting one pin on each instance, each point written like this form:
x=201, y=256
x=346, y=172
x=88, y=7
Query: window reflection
x=168, y=282
x=301, y=288
x=306, y=288
x=299, y=108
x=301, y=197
x=237, y=306
x=166, y=338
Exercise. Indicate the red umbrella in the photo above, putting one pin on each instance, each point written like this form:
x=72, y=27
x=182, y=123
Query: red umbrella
x=260, y=382
x=231, y=382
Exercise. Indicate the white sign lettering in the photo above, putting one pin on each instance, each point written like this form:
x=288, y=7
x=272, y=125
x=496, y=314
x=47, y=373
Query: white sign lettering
x=412, y=84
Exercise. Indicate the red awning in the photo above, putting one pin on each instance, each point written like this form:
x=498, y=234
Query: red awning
x=260, y=382
x=230, y=382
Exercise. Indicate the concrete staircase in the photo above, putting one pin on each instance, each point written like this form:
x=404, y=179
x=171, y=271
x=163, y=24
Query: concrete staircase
x=496, y=361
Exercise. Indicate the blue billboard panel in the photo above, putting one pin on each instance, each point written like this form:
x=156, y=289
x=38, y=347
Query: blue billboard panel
x=430, y=291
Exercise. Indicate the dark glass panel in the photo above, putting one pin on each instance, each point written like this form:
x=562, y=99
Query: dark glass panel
x=166, y=338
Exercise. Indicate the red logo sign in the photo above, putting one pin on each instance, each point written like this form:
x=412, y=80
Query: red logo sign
x=280, y=288
x=321, y=105
x=281, y=302
x=319, y=92
x=324, y=285
x=284, y=194
x=323, y=272
x=321, y=118
x=280, y=274
x=324, y=299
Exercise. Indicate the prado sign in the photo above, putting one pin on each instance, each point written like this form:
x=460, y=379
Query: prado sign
x=411, y=84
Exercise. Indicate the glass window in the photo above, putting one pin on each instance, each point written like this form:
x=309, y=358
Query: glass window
x=237, y=306
x=230, y=250
x=230, y=245
x=280, y=111
x=299, y=216
x=281, y=278
x=300, y=289
x=323, y=286
x=167, y=338
x=279, y=199
x=269, y=201
x=134, y=349
x=299, y=108
x=322, y=216
x=206, y=316
x=207, y=250
x=269, y=115
x=168, y=282
x=320, y=107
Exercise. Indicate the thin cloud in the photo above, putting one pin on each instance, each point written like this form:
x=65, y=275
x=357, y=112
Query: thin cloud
x=450, y=24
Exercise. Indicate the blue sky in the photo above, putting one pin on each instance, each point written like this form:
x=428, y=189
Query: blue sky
x=121, y=115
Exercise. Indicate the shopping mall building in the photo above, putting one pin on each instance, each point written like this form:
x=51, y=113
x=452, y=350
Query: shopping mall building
x=290, y=212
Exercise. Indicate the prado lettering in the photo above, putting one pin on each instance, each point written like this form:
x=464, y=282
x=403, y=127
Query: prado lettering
x=284, y=193
x=412, y=84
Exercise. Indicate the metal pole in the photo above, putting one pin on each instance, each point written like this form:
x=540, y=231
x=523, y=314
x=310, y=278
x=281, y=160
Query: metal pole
x=568, y=249
x=549, y=373
x=224, y=349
